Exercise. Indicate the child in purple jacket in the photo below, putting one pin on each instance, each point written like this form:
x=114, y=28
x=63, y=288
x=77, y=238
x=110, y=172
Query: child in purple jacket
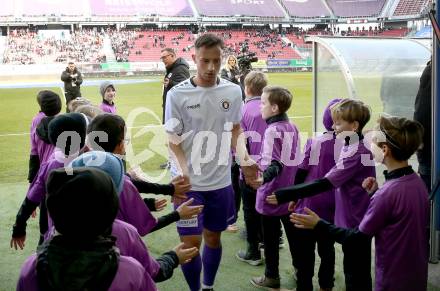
x=278, y=161
x=253, y=126
x=41, y=148
x=354, y=164
x=83, y=204
x=319, y=158
x=397, y=215
x=108, y=93
x=62, y=155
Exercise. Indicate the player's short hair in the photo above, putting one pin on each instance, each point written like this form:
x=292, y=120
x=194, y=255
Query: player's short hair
x=209, y=40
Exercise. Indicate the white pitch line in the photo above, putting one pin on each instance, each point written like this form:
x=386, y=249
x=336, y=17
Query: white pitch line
x=14, y=134
x=143, y=126
x=300, y=117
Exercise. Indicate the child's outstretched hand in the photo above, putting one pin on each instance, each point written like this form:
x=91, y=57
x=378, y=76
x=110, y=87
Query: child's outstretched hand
x=181, y=186
x=185, y=255
x=185, y=211
x=272, y=199
x=18, y=242
x=292, y=205
x=160, y=203
x=307, y=221
x=370, y=185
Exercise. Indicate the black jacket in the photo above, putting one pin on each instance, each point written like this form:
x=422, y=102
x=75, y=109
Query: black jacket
x=422, y=114
x=176, y=73
x=230, y=75
x=68, y=82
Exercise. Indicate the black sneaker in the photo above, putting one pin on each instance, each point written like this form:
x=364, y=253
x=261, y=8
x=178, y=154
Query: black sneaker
x=247, y=257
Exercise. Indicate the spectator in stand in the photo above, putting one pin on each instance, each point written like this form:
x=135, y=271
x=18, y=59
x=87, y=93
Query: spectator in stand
x=177, y=70
x=72, y=79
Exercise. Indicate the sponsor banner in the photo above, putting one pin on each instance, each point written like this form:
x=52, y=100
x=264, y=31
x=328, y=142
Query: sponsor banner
x=115, y=66
x=289, y=63
x=301, y=63
x=278, y=63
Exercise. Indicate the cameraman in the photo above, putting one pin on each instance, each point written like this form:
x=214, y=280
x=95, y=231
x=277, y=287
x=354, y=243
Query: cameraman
x=72, y=79
x=231, y=72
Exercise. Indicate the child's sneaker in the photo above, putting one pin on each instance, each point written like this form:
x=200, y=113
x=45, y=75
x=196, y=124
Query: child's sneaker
x=265, y=282
x=248, y=257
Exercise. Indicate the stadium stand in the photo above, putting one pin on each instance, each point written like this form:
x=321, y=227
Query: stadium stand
x=30, y=47
x=306, y=9
x=2, y=47
x=27, y=47
x=146, y=46
x=410, y=7
x=261, y=8
x=360, y=8
x=266, y=44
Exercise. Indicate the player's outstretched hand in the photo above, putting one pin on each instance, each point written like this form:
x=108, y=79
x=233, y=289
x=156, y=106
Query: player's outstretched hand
x=181, y=186
x=307, y=221
x=250, y=171
x=185, y=255
x=186, y=211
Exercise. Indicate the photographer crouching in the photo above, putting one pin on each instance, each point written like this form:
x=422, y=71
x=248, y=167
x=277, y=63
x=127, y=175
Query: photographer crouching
x=72, y=79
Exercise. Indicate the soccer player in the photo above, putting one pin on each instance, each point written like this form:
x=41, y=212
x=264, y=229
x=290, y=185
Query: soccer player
x=203, y=116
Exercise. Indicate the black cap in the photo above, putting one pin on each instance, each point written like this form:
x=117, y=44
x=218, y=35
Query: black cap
x=82, y=203
x=50, y=102
x=68, y=122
